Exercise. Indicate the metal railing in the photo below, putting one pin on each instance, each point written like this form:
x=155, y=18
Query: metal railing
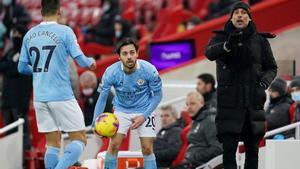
x=295, y=126
x=12, y=126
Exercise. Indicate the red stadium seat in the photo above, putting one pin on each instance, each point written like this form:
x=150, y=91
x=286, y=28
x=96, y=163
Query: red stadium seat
x=95, y=49
x=185, y=115
x=141, y=30
x=129, y=14
x=200, y=7
x=85, y=16
x=180, y=156
x=169, y=23
x=96, y=15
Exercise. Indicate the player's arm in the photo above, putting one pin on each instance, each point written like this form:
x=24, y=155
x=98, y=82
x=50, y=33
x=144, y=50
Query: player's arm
x=155, y=85
x=84, y=61
x=103, y=89
x=75, y=51
x=24, y=61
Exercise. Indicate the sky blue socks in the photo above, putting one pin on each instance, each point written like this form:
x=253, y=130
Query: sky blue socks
x=149, y=162
x=110, y=161
x=51, y=157
x=71, y=154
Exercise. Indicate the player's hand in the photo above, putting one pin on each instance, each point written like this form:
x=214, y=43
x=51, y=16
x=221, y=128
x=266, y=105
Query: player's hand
x=93, y=65
x=96, y=134
x=137, y=121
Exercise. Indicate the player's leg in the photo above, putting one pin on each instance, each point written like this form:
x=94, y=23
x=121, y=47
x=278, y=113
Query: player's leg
x=112, y=151
x=46, y=124
x=73, y=150
x=115, y=142
x=69, y=118
x=53, y=140
x=147, y=150
x=147, y=134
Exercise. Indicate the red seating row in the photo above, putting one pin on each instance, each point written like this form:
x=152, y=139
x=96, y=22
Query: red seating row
x=77, y=12
x=29, y=4
x=185, y=116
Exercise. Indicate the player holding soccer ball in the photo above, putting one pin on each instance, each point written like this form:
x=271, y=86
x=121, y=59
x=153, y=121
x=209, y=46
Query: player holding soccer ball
x=138, y=92
x=45, y=53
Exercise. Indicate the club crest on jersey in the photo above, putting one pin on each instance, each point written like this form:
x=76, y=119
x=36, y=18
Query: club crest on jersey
x=140, y=82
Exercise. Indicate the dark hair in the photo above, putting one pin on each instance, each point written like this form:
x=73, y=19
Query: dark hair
x=207, y=78
x=50, y=7
x=124, y=42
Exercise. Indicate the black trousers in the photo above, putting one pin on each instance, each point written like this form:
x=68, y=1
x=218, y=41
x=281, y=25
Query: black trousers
x=230, y=143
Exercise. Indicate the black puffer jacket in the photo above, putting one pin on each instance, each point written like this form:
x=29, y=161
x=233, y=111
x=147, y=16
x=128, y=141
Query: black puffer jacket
x=243, y=74
x=202, y=140
x=277, y=114
x=167, y=145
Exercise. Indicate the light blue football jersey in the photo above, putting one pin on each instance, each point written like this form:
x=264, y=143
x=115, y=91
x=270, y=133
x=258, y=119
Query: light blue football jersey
x=138, y=92
x=47, y=48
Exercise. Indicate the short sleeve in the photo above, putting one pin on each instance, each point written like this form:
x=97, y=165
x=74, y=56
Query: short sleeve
x=72, y=45
x=106, y=82
x=155, y=83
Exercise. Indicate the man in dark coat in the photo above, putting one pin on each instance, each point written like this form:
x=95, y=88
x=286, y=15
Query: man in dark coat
x=168, y=140
x=277, y=113
x=245, y=69
x=206, y=87
x=16, y=87
x=203, y=144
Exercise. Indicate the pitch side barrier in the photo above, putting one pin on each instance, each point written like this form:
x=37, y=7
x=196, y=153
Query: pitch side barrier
x=11, y=154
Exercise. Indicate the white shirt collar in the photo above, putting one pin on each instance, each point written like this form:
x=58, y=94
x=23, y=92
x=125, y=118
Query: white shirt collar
x=46, y=23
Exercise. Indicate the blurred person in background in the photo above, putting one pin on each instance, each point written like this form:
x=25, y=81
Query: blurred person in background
x=168, y=140
x=89, y=83
x=203, y=144
x=245, y=69
x=16, y=88
x=13, y=14
x=277, y=113
x=295, y=93
x=206, y=87
x=123, y=29
x=103, y=32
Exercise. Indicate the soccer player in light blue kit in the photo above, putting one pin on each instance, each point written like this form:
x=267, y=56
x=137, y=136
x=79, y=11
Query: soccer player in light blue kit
x=45, y=52
x=138, y=92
